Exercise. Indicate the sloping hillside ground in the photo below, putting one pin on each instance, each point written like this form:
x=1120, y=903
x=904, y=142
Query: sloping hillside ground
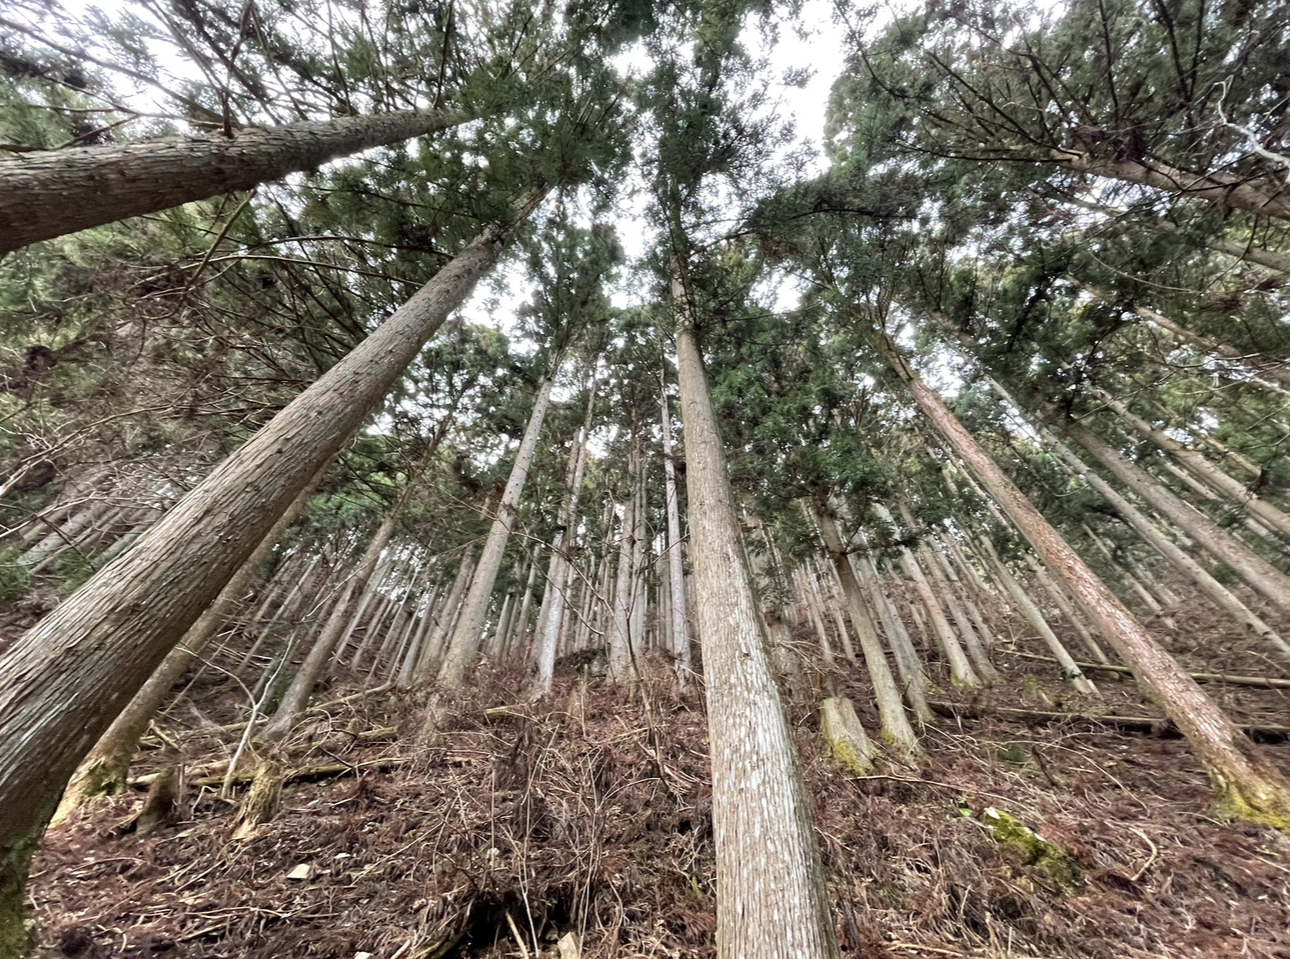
x=592, y=815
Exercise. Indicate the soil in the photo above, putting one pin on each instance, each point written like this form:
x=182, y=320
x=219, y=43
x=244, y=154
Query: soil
x=591, y=814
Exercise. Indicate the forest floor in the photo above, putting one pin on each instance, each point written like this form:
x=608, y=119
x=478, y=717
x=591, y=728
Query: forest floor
x=592, y=815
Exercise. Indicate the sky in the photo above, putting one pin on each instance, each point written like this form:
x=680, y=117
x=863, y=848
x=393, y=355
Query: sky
x=813, y=42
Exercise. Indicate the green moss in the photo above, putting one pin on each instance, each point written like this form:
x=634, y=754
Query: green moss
x=1264, y=808
x=1033, y=849
x=844, y=738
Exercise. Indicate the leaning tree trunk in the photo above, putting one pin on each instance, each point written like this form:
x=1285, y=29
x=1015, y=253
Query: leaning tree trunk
x=1262, y=195
x=104, y=770
x=1264, y=578
x=961, y=672
x=772, y=902
x=1247, y=787
x=464, y=645
x=62, y=682
x=48, y=194
x=1201, y=468
x=896, y=729
x=1216, y=591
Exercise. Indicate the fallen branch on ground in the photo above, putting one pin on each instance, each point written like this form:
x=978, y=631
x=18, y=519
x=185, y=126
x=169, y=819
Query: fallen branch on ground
x=1264, y=682
x=1142, y=724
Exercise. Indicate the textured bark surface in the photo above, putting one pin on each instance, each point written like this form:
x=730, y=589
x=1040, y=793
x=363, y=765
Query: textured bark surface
x=64, y=680
x=464, y=645
x=1246, y=786
x=104, y=770
x=49, y=194
x=771, y=898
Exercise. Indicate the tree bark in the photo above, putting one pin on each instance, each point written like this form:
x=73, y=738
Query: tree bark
x=1211, y=587
x=63, y=681
x=961, y=672
x=1246, y=786
x=1264, y=196
x=561, y=562
x=675, y=562
x=771, y=899
x=49, y=194
x=105, y=770
x=1258, y=573
x=1201, y=468
x=296, y=698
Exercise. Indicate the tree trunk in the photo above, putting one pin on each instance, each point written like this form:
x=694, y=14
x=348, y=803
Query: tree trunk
x=772, y=902
x=63, y=682
x=675, y=568
x=961, y=671
x=621, y=659
x=1265, y=197
x=896, y=730
x=1247, y=787
x=49, y=194
x=913, y=680
x=427, y=667
x=464, y=645
x=1261, y=575
x=1202, y=468
x=105, y=769
x=294, y=701
x=561, y=562
x=1211, y=587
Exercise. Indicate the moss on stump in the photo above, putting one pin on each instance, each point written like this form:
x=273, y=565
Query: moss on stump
x=1033, y=849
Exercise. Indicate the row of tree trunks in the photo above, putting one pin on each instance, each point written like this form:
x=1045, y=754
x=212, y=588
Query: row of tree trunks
x=1247, y=786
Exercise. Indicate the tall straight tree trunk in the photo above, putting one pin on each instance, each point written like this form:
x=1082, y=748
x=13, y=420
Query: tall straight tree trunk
x=621, y=661
x=1201, y=468
x=104, y=770
x=771, y=899
x=1247, y=786
x=561, y=562
x=464, y=645
x=63, y=682
x=48, y=194
x=680, y=631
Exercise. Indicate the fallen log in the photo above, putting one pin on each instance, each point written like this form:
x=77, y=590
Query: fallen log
x=1262, y=682
x=1157, y=725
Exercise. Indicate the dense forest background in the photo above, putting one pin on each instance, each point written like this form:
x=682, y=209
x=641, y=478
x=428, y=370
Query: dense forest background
x=483, y=479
